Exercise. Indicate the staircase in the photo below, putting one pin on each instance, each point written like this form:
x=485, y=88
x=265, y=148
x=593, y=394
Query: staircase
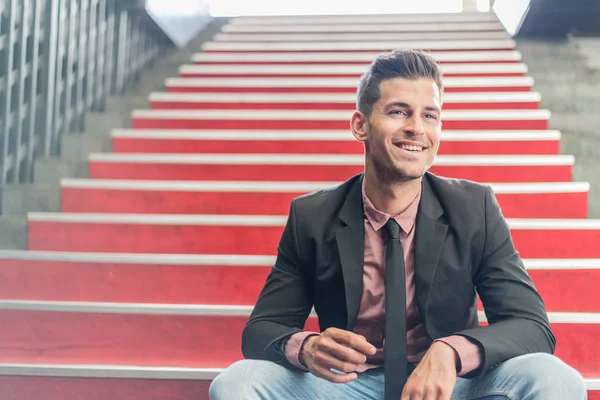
x=141, y=286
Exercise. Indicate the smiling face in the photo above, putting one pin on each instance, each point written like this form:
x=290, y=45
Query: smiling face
x=402, y=132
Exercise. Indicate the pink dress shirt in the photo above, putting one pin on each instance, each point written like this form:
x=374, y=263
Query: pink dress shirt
x=370, y=321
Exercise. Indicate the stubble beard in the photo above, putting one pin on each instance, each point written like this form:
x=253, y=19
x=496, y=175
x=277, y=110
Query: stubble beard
x=388, y=172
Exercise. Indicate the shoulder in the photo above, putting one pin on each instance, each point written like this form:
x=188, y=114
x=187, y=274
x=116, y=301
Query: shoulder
x=325, y=201
x=464, y=202
x=458, y=190
x=458, y=187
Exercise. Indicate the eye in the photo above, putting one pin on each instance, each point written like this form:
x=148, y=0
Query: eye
x=431, y=116
x=400, y=112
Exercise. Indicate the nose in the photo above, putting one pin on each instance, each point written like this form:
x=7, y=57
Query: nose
x=414, y=126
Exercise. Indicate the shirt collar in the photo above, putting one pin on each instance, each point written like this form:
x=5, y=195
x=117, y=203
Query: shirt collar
x=378, y=218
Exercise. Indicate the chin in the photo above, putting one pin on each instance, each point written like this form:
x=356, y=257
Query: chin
x=409, y=173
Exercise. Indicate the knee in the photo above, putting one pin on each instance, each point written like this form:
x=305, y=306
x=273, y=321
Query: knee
x=241, y=380
x=548, y=377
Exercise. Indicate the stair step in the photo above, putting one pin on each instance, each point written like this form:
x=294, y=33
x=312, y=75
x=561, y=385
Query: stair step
x=13, y=229
x=335, y=85
x=331, y=101
x=388, y=45
x=326, y=119
x=521, y=200
x=163, y=335
x=49, y=382
x=565, y=284
x=330, y=71
x=74, y=382
x=257, y=234
x=364, y=57
x=317, y=167
x=197, y=336
x=323, y=142
x=465, y=18
x=458, y=34
x=366, y=27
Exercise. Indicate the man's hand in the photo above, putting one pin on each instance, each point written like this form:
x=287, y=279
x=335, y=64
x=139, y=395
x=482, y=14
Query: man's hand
x=338, y=349
x=435, y=376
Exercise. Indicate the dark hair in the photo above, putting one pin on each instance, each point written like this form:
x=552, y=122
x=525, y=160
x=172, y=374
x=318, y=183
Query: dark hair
x=409, y=64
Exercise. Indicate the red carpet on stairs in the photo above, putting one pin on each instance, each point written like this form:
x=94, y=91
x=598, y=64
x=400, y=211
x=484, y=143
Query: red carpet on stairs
x=135, y=291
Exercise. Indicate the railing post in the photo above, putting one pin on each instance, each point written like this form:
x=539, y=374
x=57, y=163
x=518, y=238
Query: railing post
x=122, y=20
x=19, y=112
x=32, y=140
x=50, y=61
x=83, y=42
x=7, y=159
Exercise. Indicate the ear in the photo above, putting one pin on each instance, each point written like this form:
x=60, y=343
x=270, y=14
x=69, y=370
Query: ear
x=359, y=126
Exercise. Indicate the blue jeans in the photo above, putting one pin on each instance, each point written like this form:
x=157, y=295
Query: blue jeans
x=529, y=377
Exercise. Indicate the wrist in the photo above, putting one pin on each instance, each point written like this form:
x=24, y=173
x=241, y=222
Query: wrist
x=306, y=345
x=452, y=354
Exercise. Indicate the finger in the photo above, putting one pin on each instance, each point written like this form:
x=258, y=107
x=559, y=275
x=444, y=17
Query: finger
x=430, y=396
x=333, y=376
x=433, y=391
x=405, y=395
x=353, y=340
x=325, y=360
x=340, y=351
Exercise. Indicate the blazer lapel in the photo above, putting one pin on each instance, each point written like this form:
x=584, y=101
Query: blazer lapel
x=350, y=238
x=429, y=240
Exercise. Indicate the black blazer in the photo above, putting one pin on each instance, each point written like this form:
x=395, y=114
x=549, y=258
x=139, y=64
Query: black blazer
x=462, y=248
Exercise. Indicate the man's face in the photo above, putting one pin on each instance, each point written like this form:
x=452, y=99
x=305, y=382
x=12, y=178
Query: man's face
x=402, y=134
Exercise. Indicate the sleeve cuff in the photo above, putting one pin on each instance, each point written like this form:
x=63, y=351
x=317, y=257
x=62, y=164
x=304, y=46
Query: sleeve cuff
x=293, y=347
x=469, y=353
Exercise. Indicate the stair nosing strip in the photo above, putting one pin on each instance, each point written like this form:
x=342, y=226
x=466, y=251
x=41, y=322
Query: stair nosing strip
x=212, y=310
x=268, y=220
x=337, y=82
x=290, y=187
x=108, y=371
x=321, y=159
x=310, y=135
x=367, y=57
x=236, y=260
x=452, y=97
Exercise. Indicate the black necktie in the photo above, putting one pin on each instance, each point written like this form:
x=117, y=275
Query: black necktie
x=395, y=362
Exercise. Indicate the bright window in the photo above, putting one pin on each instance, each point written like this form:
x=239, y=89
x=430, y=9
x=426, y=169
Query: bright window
x=233, y=8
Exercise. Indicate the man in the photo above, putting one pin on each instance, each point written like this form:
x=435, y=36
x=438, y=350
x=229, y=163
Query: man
x=391, y=261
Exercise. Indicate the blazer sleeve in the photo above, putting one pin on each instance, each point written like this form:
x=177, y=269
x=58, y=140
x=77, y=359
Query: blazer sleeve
x=284, y=303
x=518, y=322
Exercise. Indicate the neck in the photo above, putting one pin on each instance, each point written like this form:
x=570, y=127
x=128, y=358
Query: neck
x=390, y=197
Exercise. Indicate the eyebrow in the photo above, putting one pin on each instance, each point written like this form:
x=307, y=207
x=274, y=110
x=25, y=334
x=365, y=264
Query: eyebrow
x=406, y=105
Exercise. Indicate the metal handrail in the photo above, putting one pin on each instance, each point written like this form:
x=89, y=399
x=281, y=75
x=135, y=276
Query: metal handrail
x=58, y=60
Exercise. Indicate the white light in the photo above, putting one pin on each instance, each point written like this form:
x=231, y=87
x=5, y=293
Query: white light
x=510, y=13
x=234, y=8
x=183, y=8
x=483, y=5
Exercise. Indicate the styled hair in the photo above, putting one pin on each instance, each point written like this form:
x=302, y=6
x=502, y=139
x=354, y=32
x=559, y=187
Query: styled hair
x=409, y=64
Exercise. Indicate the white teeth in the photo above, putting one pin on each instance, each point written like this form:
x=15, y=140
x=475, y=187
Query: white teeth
x=411, y=148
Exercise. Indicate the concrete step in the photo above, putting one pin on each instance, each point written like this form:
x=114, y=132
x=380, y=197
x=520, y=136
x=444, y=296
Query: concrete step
x=123, y=104
x=13, y=232
x=575, y=124
x=78, y=146
x=21, y=199
x=51, y=170
x=103, y=123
